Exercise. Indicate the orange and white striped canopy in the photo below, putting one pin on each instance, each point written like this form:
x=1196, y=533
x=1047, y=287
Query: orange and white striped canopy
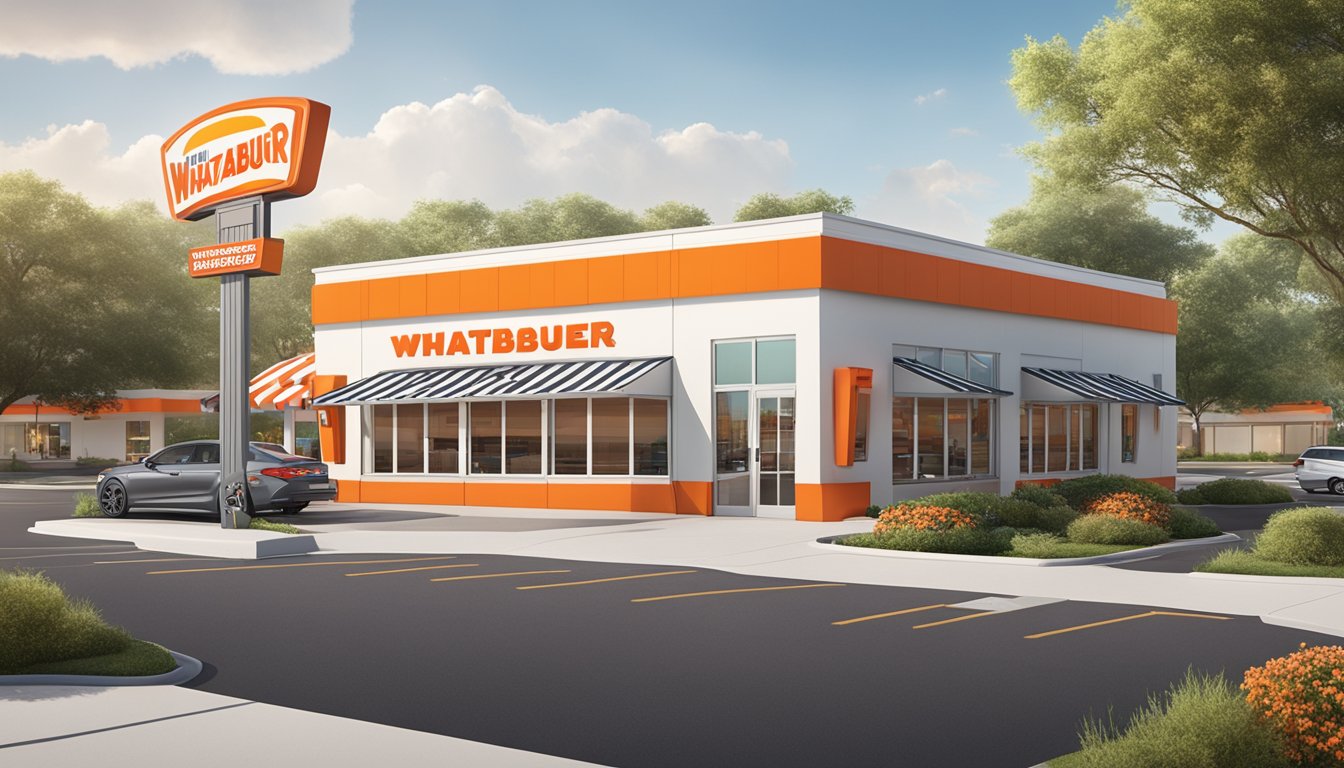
x=288, y=382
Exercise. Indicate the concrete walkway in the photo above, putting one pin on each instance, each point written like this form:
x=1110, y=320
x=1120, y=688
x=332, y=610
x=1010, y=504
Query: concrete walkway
x=773, y=548
x=169, y=727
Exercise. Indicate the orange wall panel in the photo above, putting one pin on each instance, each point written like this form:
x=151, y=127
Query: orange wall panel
x=480, y=290
x=443, y=293
x=347, y=491
x=693, y=498
x=831, y=502
x=800, y=263
x=606, y=280
x=571, y=283
x=515, y=287
x=541, y=285
x=762, y=266
x=695, y=272
x=640, y=277
x=404, y=492
x=412, y=295
x=530, y=495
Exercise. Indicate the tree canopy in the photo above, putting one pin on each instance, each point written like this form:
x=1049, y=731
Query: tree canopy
x=1233, y=109
x=1109, y=229
x=768, y=205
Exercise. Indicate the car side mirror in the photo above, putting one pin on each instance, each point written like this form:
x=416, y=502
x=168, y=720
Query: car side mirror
x=148, y=464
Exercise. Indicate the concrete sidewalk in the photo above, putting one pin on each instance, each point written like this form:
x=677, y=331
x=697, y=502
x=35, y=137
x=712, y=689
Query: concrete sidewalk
x=781, y=549
x=169, y=727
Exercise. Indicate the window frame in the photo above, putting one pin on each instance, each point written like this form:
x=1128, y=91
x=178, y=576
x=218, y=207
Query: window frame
x=971, y=405
x=1074, y=453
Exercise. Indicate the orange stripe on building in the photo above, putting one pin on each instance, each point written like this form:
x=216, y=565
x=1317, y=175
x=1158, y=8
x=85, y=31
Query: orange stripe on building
x=124, y=405
x=674, y=497
x=740, y=269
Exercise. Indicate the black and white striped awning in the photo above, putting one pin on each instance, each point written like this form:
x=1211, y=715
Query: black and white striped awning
x=912, y=377
x=645, y=376
x=1104, y=387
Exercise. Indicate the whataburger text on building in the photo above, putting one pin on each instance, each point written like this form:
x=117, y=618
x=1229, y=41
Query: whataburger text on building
x=501, y=341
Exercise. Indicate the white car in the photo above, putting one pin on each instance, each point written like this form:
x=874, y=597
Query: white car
x=1321, y=468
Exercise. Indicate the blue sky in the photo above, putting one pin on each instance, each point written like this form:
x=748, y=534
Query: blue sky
x=903, y=106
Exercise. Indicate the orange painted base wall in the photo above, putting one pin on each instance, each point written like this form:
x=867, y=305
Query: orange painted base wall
x=679, y=497
x=831, y=502
x=1168, y=482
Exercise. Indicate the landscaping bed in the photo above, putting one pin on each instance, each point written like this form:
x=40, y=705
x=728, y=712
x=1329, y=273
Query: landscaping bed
x=1306, y=541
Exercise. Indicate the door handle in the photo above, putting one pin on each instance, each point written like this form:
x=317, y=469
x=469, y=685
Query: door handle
x=758, y=454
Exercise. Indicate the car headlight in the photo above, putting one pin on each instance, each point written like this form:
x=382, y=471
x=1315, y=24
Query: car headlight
x=101, y=475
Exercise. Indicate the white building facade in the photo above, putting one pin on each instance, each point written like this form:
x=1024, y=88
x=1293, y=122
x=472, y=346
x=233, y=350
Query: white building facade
x=804, y=367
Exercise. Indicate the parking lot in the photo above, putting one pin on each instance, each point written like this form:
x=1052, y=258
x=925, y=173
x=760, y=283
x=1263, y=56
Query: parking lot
x=643, y=665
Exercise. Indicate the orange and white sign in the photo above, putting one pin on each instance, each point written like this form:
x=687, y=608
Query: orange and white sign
x=270, y=147
x=260, y=256
x=503, y=341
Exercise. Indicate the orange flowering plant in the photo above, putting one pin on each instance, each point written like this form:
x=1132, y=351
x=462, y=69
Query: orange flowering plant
x=922, y=517
x=1302, y=696
x=1132, y=506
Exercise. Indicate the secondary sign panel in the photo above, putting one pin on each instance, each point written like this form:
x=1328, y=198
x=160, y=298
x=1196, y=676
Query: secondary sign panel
x=259, y=256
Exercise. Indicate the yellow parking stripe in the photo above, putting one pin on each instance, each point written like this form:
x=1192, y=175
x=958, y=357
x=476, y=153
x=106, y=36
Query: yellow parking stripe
x=302, y=565
x=154, y=560
x=603, y=581
x=1125, y=618
x=889, y=613
x=495, y=575
x=955, y=620
x=411, y=570
x=730, y=592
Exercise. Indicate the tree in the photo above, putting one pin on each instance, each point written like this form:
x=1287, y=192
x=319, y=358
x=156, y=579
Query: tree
x=1232, y=109
x=768, y=205
x=447, y=226
x=568, y=217
x=673, y=215
x=92, y=300
x=1108, y=229
x=1247, y=331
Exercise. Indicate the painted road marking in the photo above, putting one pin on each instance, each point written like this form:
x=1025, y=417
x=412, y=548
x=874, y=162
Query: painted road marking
x=495, y=575
x=1125, y=618
x=153, y=560
x=603, y=581
x=730, y=592
x=954, y=620
x=410, y=570
x=71, y=554
x=301, y=565
x=889, y=613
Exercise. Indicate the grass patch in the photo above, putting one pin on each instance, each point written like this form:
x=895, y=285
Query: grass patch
x=1304, y=536
x=39, y=623
x=262, y=524
x=1246, y=563
x=1047, y=546
x=87, y=506
x=1103, y=529
x=139, y=658
x=14, y=465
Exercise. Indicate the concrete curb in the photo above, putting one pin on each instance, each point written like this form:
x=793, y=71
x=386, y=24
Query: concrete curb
x=183, y=538
x=187, y=670
x=1315, y=581
x=1128, y=556
x=37, y=487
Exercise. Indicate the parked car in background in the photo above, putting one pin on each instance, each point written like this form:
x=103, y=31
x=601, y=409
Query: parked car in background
x=1321, y=468
x=185, y=478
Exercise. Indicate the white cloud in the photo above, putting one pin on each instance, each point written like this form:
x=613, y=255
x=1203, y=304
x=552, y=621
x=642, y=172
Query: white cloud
x=964, y=132
x=929, y=199
x=469, y=146
x=243, y=37
x=925, y=98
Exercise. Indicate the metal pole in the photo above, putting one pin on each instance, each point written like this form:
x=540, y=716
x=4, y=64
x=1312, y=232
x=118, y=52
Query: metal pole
x=242, y=220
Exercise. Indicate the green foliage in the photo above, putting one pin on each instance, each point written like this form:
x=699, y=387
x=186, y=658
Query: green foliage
x=1190, y=496
x=87, y=506
x=1240, y=490
x=1048, y=546
x=139, y=658
x=1039, y=495
x=1108, y=229
x=1246, y=563
x=1189, y=524
x=768, y=205
x=38, y=624
x=12, y=464
x=96, y=461
x=1201, y=722
x=1104, y=529
x=1020, y=513
x=1250, y=135
x=673, y=215
x=262, y=524
x=963, y=541
x=1305, y=536
x=874, y=510
x=1190, y=454
x=973, y=502
x=1079, y=492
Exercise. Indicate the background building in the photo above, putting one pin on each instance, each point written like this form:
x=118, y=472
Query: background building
x=1287, y=428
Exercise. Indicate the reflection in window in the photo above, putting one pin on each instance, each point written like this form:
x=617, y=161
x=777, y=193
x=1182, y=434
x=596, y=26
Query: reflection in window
x=929, y=438
x=958, y=436
x=934, y=437
x=382, y=437
x=775, y=361
x=410, y=437
x=732, y=362
x=902, y=438
x=863, y=406
x=137, y=440
x=1129, y=431
x=443, y=439
x=484, y=424
x=611, y=436
x=650, y=436
x=569, y=430
x=730, y=448
x=981, y=418
x=522, y=443
x=1037, y=438
x=1057, y=442
x=1059, y=438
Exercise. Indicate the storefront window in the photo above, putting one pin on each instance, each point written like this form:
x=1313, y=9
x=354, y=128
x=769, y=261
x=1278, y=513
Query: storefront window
x=137, y=440
x=382, y=437
x=732, y=362
x=775, y=361
x=954, y=362
x=1089, y=436
x=863, y=407
x=569, y=430
x=485, y=420
x=410, y=437
x=981, y=368
x=611, y=436
x=650, y=436
x=730, y=440
x=306, y=440
x=902, y=438
x=1129, y=431
x=522, y=444
x=11, y=441
x=958, y=436
x=981, y=421
x=929, y=438
x=443, y=438
x=1037, y=438
x=1059, y=438
x=934, y=437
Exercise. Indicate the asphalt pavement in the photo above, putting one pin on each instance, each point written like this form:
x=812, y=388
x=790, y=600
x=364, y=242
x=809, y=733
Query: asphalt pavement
x=642, y=665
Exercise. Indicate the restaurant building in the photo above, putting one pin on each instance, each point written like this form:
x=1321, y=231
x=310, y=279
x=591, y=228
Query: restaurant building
x=803, y=367
x=132, y=427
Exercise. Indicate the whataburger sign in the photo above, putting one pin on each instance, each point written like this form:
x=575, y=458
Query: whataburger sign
x=262, y=147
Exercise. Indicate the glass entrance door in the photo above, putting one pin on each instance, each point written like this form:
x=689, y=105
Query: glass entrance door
x=754, y=453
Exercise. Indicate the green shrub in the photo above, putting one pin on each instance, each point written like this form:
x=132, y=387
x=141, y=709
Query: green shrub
x=1079, y=492
x=14, y=465
x=1190, y=496
x=262, y=524
x=874, y=510
x=1039, y=495
x=1201, y=722
x=87, y=506
x=96, y=461
x=1189, y=524
x=962, y=541
x=974, y=502
x=1104, y=529
x=1020, y=513
x=1248, y=563
x=1046, y=546
x=39, y=623
x=1241, y=490
x=1189, y=455
x=1306, y=536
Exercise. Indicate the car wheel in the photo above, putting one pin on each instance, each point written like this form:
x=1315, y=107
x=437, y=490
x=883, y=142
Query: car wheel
x=1337, y=486
x=112, y=501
